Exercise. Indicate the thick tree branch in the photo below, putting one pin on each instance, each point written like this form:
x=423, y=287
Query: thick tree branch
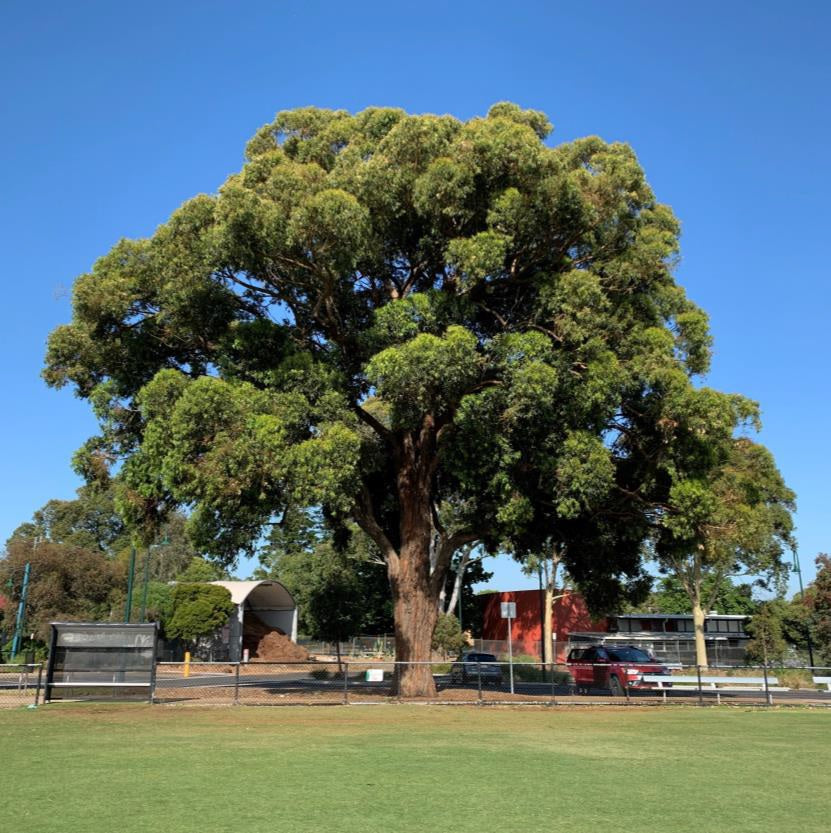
x=447, y=546
x=375, y=424
x=364, y=516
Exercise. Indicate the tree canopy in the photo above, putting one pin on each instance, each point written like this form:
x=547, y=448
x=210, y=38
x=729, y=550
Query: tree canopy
x=79, y=551
x=198, y=610
x=442, y=331
x=726, y=597
x=727, y=513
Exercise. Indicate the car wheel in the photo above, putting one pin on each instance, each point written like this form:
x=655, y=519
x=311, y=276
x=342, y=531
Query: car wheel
x=617, y=688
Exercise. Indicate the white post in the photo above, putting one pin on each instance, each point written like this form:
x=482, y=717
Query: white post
x=508, y=610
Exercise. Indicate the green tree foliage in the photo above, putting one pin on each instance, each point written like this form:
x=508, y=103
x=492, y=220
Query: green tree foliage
x=67, y=583
x=201, y=570
x=198, y=610
x=329, y=588
x=447, y=636
x=173, y=554
x=87, y=535
x=90, y=521
x=767, y=644
x=442, y=331
x=819, y=602
x=727, y=597
x=798, y=625
x=310, y=559
x=159, y=603
x=727, y=511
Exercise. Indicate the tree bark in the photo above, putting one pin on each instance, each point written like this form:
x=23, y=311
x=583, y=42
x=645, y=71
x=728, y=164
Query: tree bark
x=417, y=574
x=418, y=566
x=457, y=582
x=547, y=630
x=415, y=611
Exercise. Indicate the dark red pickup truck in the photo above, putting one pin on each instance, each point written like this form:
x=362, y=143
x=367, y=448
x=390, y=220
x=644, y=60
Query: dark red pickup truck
x=612, y=667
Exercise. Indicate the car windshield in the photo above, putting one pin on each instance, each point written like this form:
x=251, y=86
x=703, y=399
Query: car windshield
x=481, y=658
x=629, y=655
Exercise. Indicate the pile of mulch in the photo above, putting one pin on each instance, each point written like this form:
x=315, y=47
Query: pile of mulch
x=269, y=644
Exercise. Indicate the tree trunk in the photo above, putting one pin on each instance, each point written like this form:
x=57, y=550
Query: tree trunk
x=457, y=582
x=547, y=630
x=415, y=591
x=415, y=612
x=698, y=627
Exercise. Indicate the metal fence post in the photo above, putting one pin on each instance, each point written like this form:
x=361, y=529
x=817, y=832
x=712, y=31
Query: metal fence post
x=37, y=690
x=478, y=680
x=700, y=692
x=553, y=683
x=236, y=684
x=768, y=697
x=345, y=683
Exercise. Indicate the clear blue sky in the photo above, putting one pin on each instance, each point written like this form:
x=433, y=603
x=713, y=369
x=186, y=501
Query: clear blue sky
x=115, y=113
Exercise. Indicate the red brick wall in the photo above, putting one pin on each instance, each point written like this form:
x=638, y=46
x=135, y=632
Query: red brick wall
x=569, y=614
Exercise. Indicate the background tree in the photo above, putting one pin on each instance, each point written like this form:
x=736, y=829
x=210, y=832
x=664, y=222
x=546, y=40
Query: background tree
x=818, y=597
x=295, y=555
x=447, y=635
x=725, y=596
x=727, y=512
x=198, y=611
x=547, y=566
x=767, y=643
x=90, y=522
x=466, y=569
x=326, y=584
x=444, y=331
x=79, y=550
x=67, y=583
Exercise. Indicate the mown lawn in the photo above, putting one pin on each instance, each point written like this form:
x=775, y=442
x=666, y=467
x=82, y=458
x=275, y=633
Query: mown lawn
x=100, y=769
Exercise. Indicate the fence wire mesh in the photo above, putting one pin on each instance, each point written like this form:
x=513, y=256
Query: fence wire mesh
x=383, y=681
x=20, y=685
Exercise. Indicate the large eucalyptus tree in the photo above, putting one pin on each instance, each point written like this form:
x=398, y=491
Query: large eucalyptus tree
x=444, y=331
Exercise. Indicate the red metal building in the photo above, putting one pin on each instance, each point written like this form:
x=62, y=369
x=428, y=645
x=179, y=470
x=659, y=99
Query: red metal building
x=569, y=614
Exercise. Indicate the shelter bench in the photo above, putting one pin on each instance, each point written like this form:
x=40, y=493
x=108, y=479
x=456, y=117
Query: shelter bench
x=826, y=681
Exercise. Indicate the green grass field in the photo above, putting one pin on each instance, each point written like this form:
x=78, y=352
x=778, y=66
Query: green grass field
x=98, y=769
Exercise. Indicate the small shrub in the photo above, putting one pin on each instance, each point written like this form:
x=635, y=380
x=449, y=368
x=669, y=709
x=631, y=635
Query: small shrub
x=447, y=635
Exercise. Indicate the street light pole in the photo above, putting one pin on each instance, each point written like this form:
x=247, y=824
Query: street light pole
x=128, y=606
x=150, y=549
x=798, y=570
x=146, y=582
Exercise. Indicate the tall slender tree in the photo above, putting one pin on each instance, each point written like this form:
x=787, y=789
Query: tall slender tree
x=727, y=513
x=444, y=331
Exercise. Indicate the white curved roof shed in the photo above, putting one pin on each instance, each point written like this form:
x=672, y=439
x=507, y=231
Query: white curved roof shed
x=268, y=600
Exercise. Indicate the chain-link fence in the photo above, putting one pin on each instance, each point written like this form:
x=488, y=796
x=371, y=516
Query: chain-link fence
x=479, y=682
x=466, y=680
x=20, y=685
